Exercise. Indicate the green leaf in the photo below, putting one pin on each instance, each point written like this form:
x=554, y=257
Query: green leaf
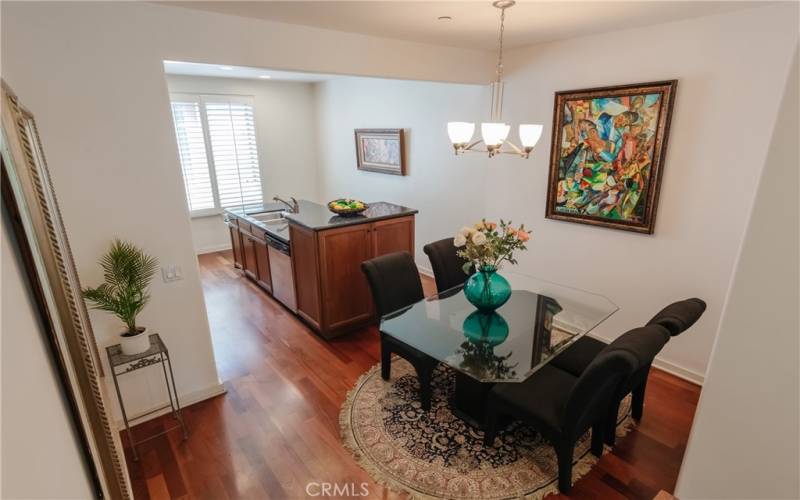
x=127, y=272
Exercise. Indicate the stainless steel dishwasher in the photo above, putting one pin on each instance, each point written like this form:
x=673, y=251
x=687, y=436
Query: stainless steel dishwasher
x=280, y=268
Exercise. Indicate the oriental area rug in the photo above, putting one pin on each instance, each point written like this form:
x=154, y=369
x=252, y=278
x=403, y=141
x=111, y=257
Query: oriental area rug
x=434, y=454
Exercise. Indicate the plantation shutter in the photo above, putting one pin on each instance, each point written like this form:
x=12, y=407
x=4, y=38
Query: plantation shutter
x=231, y=128
x=192, y=151
x=217, y=146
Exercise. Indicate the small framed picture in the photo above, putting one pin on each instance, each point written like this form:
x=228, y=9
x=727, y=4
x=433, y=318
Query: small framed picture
x=381, y=150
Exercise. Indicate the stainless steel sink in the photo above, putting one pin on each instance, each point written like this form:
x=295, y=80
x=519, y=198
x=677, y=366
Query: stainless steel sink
x=269, y=217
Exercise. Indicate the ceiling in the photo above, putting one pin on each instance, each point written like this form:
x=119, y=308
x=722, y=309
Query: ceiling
x=227, y=71
x=474, y=24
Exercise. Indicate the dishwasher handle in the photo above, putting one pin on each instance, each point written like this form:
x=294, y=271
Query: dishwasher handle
x=276, y=244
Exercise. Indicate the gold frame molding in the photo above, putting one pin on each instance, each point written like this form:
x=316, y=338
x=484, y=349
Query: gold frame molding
x=30, y=200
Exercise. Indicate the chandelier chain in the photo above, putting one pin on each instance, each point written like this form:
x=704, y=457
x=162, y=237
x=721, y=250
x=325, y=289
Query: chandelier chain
x=500, y=53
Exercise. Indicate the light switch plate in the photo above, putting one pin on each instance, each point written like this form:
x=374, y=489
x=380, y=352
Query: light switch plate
x=171, y=272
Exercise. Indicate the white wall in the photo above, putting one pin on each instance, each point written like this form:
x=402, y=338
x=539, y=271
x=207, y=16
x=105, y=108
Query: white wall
x=447, y=190
x=731, y=69
x=41, y=454
x=92, y=74
x=285, y=133
x=745, y=442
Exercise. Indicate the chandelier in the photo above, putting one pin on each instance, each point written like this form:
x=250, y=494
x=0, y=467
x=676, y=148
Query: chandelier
x=494, y=134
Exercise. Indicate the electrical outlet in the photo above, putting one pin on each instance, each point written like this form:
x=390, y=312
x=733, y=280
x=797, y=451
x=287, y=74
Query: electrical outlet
x=171, y=272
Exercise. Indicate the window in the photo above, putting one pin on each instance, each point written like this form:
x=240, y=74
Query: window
x=217, y=146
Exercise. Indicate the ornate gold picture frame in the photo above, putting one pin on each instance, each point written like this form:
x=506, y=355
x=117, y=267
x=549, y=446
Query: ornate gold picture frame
x=607, y=155
x=30, y=202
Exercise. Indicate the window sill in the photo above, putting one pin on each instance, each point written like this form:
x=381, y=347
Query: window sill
x=202, y=214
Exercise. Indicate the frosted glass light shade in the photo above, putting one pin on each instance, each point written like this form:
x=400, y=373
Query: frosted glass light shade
x=460, y=132
x=529, y=135
x=494, y=133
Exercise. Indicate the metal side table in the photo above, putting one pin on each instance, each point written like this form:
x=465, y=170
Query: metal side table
x=122, y=364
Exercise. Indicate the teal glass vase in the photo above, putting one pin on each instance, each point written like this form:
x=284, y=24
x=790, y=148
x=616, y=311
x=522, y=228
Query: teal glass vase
x=487, y=290
x=485, y=328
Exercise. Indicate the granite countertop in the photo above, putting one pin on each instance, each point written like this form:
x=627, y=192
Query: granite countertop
x=317, y=217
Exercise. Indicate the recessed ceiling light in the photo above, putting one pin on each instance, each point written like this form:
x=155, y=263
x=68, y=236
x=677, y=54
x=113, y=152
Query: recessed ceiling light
x=444, y=18
x=265, y=76
x=226, y=68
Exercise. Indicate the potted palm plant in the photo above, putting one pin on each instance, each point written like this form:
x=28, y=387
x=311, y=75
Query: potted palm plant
x=127, y=272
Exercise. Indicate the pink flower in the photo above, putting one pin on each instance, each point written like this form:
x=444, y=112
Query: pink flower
x=523, y=235
x=490, y=225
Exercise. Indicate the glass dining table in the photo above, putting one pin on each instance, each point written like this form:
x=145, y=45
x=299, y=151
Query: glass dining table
x=540, y=320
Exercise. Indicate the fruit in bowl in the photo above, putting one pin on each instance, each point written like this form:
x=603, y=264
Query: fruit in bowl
x=347, y=206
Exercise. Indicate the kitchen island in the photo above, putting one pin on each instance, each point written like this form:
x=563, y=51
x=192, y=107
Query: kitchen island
x=324, y=253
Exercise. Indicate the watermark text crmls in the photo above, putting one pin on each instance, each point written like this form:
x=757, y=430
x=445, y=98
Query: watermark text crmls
x=325, y=489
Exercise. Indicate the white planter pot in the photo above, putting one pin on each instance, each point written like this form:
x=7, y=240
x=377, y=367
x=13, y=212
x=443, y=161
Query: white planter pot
x=136, y=344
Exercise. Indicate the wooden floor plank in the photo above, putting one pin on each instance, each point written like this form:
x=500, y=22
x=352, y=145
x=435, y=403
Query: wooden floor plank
x=277, y=427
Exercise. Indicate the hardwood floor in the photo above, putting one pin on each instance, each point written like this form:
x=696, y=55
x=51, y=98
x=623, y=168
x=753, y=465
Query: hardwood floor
x=277, y=428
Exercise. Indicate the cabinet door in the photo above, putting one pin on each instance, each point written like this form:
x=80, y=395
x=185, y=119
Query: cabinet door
x=249, y=256
x=393, y=235
x=263, y=277
x=346, y=297
x=306, y=274
x=236, y=244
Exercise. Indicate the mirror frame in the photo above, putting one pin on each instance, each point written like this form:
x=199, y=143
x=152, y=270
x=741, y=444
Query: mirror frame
x=30, y=200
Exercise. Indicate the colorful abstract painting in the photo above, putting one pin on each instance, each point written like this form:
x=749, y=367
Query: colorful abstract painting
x=607, y=154
x=380, y=150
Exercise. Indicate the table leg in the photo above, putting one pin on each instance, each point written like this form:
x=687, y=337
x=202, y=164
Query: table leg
x=125, y=417
x=177, y=403
x=469, y=399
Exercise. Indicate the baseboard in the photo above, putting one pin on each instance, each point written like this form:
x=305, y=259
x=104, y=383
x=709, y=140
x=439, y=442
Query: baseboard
x=212, y=249
x=185, y=400
x=669, y=367
x=679, y=371
x=425, y=271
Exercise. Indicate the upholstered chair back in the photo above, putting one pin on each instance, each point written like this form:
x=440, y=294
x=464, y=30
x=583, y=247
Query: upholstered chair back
x=679, y=316
x=394, y=281
x=592, y=394
x=446, y=264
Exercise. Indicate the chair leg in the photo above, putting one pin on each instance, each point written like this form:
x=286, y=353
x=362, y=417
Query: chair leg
x=637, y=407
x=598, y=433
x=611, y=423
x=564, y=453
x=490, y=427
x=425, y=392
x=386, y=362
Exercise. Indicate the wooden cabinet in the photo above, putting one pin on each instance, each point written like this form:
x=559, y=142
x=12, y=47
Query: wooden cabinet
x=249, y=264
x=263, y=277
x=346, y=295
x=305, y=265
x=393, y=235
x=236, y=241
x=332, y=291
x=255, y=258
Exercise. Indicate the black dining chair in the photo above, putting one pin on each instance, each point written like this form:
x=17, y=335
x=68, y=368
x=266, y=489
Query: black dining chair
x=675, y=319
x=395, y=284
x=679, y=316
x=562, y=407
x=448, y=267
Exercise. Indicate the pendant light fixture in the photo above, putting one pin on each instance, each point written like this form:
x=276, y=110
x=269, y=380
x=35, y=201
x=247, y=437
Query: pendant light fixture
x=494, y=134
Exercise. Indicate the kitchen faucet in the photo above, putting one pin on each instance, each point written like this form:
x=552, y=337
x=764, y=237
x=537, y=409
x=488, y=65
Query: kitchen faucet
x=294, y=207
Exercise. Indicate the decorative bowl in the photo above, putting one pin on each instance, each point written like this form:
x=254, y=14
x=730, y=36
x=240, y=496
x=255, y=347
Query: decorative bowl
x=347, y=206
